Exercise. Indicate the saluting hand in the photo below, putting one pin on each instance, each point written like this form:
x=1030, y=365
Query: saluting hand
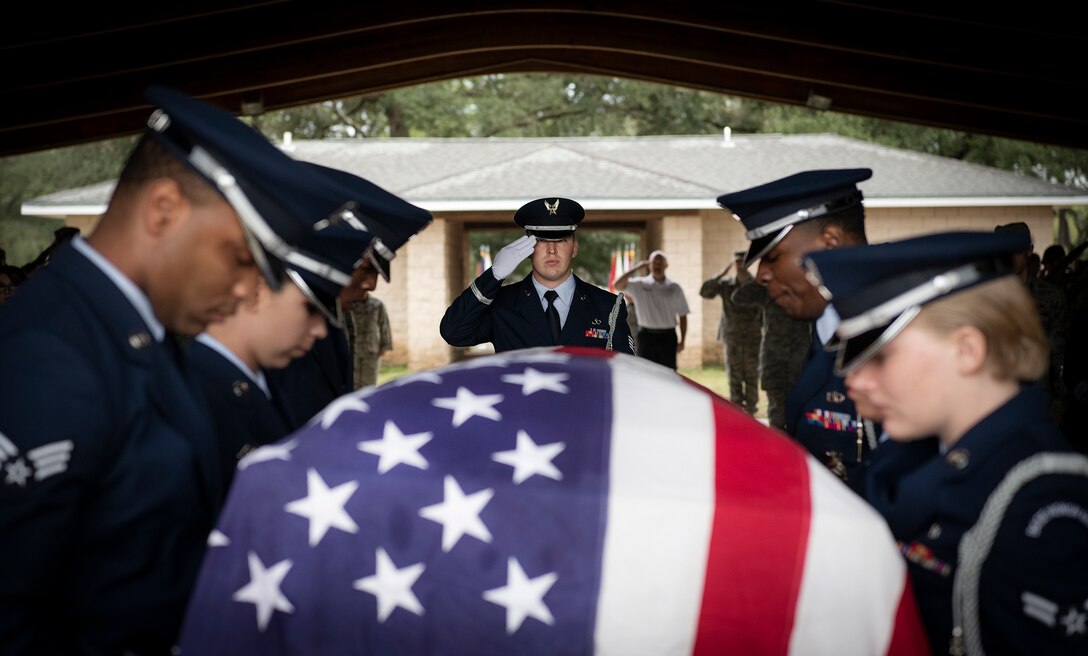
x=511, y=255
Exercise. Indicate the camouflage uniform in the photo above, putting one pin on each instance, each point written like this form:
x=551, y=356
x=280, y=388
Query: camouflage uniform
x=739, y=329
x=367, y=326
x=782, y=352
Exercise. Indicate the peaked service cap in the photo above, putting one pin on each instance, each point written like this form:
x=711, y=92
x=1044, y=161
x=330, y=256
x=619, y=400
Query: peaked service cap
x=278, y=199
x=878, y=289
x=390, y=219
x=769, y=211
x=335, y=252
x=550, y=218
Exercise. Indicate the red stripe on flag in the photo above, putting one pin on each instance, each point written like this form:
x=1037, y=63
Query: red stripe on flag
x=908, y=634
x=758, y=540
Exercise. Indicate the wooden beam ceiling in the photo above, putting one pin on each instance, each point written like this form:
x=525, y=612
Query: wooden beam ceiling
x=79, y=76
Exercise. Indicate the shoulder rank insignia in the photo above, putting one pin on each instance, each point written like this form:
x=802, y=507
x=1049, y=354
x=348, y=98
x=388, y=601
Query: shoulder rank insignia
x=1070, y=622
x=44, y=461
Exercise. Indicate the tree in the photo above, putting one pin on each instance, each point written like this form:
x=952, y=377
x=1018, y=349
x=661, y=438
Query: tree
x=539, y=105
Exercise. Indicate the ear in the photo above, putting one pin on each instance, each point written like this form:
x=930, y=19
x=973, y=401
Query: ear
x=832, y=236
x=164, y=206
x=574, y=251
x=970, y=349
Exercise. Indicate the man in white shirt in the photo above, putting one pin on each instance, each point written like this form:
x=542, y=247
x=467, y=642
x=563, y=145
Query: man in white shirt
x=660, y=306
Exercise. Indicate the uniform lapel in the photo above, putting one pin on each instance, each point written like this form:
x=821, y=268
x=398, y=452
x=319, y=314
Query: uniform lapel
x=578, y=316
x=167, y=390
x=530, y=309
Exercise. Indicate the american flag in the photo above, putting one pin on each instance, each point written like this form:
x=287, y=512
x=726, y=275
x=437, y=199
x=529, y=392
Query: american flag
x=545, y=501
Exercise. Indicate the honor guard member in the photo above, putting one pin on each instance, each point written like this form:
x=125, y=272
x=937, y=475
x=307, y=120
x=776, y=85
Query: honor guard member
x=992, y=513
x=230, y=358
x=549, y=306
x=309, y=383
x=106, y=504
x=784, y=219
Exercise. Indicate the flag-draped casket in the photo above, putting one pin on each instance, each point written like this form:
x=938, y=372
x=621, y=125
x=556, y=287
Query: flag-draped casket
x=565, y=501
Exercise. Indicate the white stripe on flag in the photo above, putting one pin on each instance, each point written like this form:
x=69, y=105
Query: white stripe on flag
x=853, y=579
x=660, y=513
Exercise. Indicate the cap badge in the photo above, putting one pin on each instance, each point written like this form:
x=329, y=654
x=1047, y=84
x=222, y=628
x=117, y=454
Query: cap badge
x=552, y=207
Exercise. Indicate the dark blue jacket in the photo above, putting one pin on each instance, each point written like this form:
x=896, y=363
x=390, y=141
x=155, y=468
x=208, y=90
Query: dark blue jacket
x=1033, y=588
x=825, y=421
x=243, y=416
x=309, y=383
x=111, y=481
x=515, y=319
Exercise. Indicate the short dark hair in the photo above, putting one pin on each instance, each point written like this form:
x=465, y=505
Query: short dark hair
x=150, y=161
x=850, y=219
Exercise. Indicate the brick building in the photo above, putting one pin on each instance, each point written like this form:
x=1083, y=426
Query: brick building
x=662, y=188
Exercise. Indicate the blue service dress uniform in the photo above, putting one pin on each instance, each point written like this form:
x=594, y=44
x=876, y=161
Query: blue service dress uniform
x=515, y=319
x=244, y=418
x=1033, y=587
x=309, y=383
x=110, y=477
x=825, y=421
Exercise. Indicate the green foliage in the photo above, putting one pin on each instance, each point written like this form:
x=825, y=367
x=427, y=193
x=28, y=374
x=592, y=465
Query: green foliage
x=539, y=105
x=23, y=177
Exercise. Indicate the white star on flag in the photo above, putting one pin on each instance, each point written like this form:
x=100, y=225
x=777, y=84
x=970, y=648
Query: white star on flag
x=396, y=448
x=324, y=507
x=391, y=586
x=218, y=539
x=522, y=597
x=268, y=452
x=534, y=381
x=467, y=405
x=347, y=403
x=263, y=589
x=530, y=458
x=459, y=514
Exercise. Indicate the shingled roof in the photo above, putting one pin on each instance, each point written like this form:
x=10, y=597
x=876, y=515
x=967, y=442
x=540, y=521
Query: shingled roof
x=667, y=172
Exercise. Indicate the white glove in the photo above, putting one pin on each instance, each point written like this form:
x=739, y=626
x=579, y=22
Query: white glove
x=511, y=255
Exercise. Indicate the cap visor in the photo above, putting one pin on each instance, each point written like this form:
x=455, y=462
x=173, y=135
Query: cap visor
x=380, y=264
x=856, y=351
x=550, y=235
x=761, y=245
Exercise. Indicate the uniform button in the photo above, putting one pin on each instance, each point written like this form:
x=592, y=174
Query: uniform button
x=934, y=532
x=240, y=387
x=139, y=339
x=958, y=458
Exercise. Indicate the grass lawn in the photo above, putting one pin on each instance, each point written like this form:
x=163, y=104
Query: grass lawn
x=713, y=378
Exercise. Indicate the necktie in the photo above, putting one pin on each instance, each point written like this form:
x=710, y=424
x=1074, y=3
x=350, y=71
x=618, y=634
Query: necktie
x=552, y=314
